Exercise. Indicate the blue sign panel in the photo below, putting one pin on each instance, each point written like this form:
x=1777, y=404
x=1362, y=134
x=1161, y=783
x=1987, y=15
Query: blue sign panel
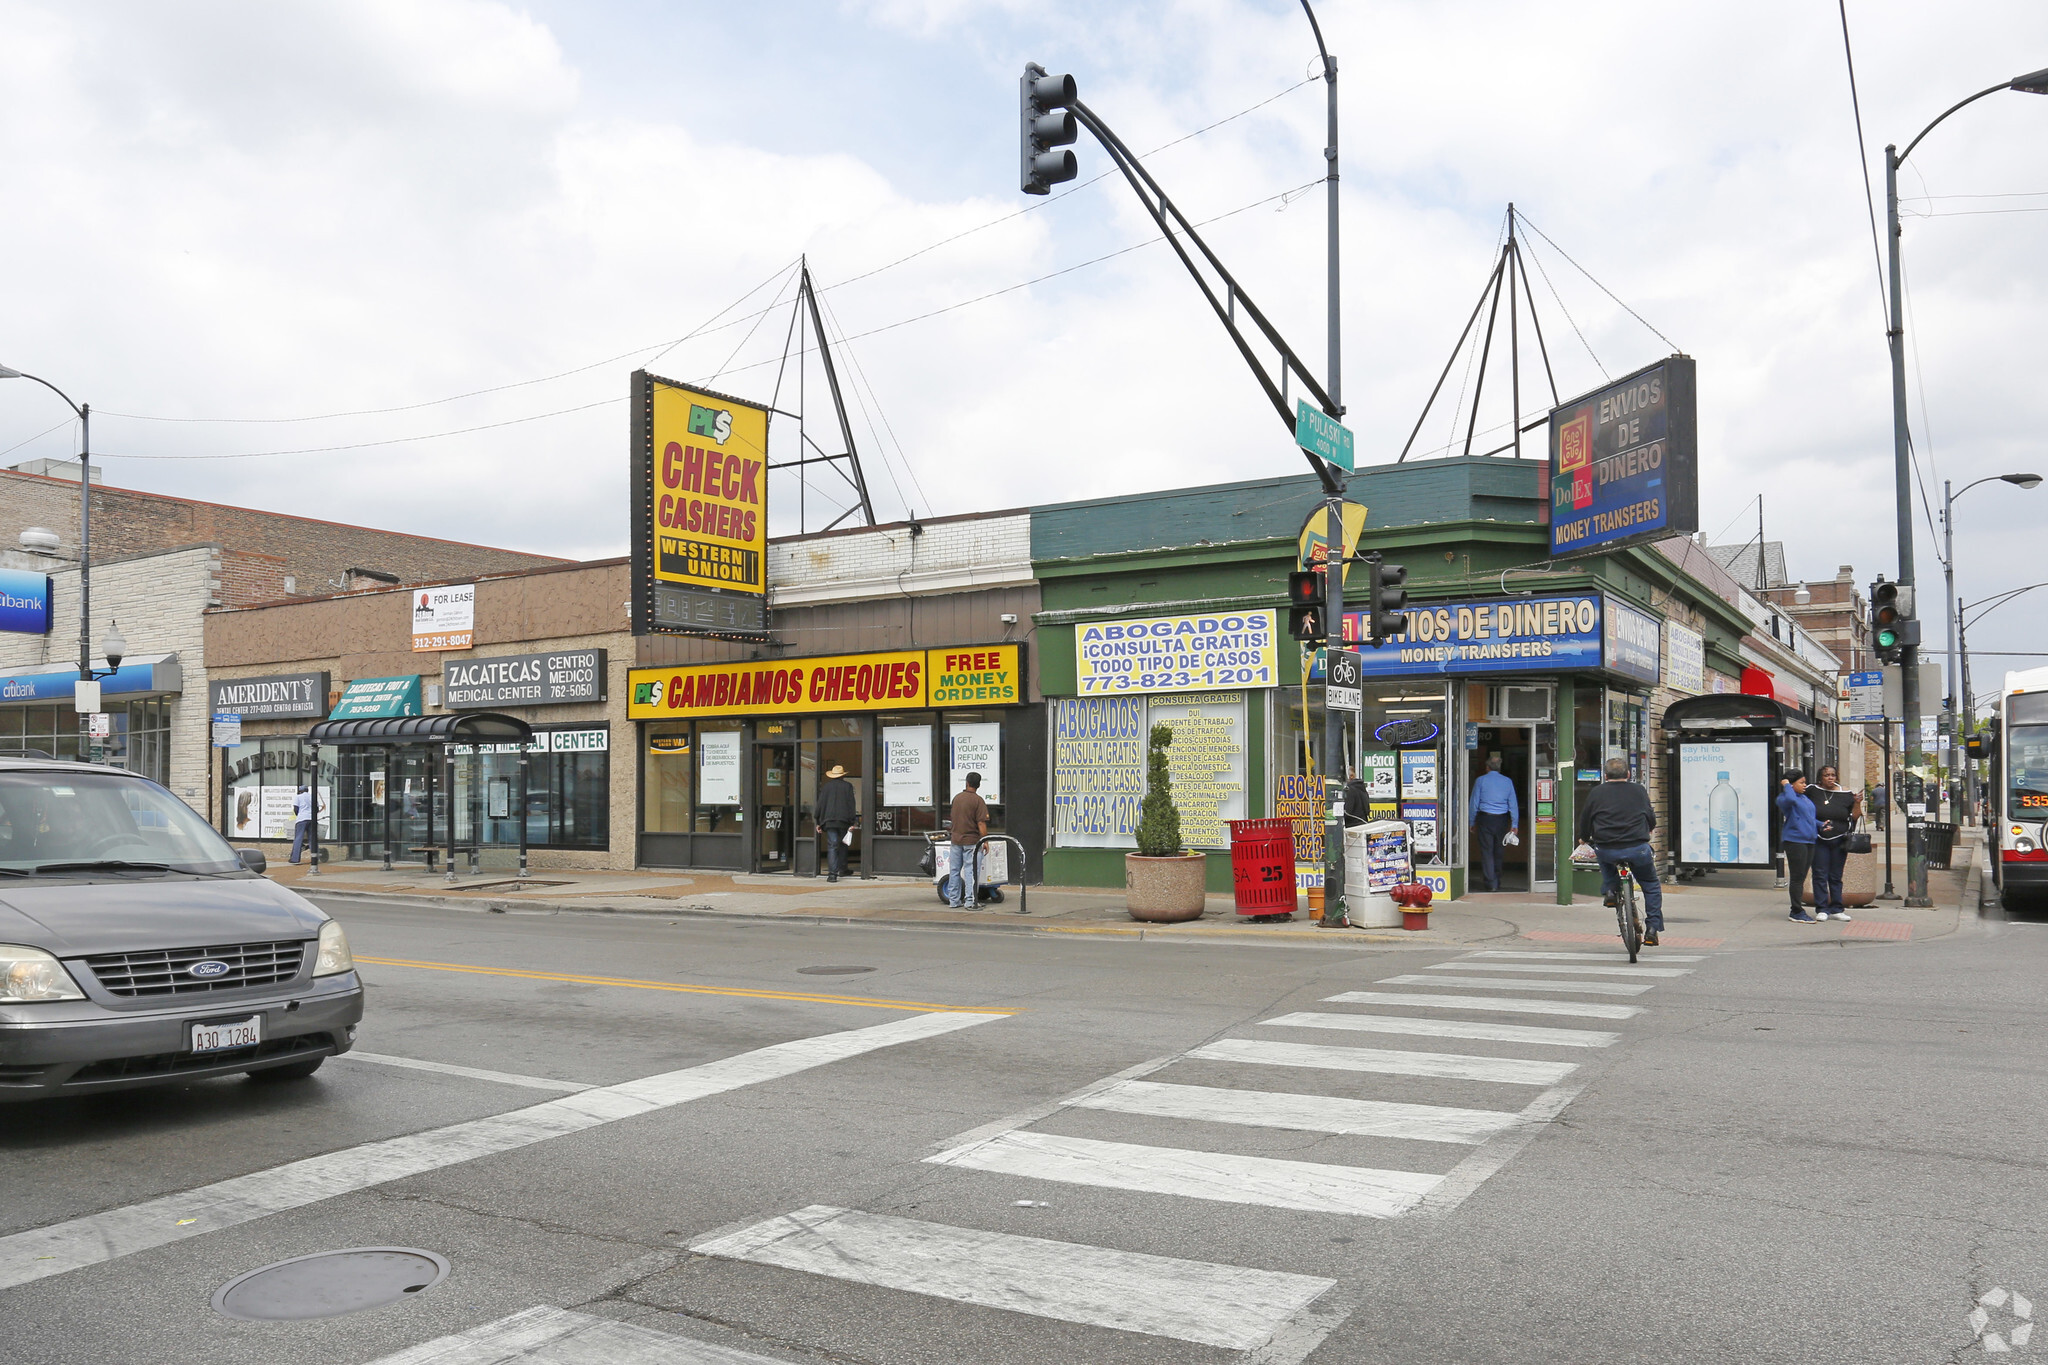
x=24, y=602
x=1507, y=635
x=1634, y=642
x=1624, y=463
x=58, y=686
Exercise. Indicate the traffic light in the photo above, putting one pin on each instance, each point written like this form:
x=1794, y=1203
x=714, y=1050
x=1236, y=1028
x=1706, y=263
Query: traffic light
x=1892, y=627
x=1046, y=125
x=1307, y=612
x=1384, y=599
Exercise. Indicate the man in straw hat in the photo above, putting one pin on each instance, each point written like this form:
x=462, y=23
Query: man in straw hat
x=836, y=814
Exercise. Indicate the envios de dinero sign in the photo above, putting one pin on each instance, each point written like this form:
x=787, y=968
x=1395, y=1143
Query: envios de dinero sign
x=893, y=680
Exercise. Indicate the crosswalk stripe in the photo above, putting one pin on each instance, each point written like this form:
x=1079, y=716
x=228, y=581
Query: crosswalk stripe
x=1448, y=1028
x=1300, y=1113
x=1464, y=965
x=1445, y=1065
x=1506, y=984
x=471, y=1072
x=1581, y=957
x=53, y=1250
x=1583, y=1009
x=1234, y=1307
x=1225, y=1177
x=557, y=1336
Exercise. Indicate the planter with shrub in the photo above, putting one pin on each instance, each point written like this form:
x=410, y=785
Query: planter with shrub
x=1163, y=883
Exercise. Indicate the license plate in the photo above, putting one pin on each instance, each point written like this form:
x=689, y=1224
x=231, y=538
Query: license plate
x=219, y=1037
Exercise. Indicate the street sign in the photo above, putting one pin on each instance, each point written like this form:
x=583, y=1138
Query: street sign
x=99, y=725
x=1930, y=689
x=1347, y=680
x=1322, y=435
x=1865, y=702
x=227, y=729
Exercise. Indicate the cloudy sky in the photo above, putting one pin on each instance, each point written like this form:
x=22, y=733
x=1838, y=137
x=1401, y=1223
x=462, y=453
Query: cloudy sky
x=415, y=247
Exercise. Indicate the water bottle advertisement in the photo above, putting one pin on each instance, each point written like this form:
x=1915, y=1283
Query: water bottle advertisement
x=1724, y=804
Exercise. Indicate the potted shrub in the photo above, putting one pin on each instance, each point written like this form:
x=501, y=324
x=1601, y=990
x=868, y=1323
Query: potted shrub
x=1162, y=882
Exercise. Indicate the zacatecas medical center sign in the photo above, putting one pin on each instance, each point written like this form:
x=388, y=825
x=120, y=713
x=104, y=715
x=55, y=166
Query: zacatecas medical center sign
x=700, y=510
x=1624, y=461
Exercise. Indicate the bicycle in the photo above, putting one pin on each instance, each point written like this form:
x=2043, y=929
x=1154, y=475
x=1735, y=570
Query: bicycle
x=1628, y=913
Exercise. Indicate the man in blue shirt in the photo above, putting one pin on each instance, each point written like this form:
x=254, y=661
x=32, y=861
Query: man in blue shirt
x=1495, y=811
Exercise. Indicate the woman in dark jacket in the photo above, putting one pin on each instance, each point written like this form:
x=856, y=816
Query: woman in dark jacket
x=1801, y=828
x=1839, y=809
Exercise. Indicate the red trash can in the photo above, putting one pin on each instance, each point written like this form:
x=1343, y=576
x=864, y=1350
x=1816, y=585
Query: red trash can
x=1262, y=866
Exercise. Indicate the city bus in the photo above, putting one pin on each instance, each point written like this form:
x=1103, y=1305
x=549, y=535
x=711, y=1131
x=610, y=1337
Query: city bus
x=2019, y=788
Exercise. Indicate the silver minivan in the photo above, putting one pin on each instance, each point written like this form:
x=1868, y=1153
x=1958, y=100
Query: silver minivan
x=138, y=948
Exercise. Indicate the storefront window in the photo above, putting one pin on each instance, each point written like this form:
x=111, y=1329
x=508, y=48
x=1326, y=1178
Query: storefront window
x=138, y=734
x=719, y=756
x=263, y=778
x=670, y=777
x=568, y=798
x=974, y=744
x=1408, y=764
x=905, y=791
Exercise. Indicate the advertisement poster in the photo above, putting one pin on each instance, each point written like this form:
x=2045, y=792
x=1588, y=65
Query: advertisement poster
x=976, y=748
x=1634, y=646
x=1685, y=659
x=1298, y=797
x=1623, y=461
x=907, y=765
x=1420, y=817
x=1381, y=780
x=1098, y=747
x=1724, y=804
x=718, y=768
x=444, y=618
x=1386, y=859
x=1175, y=653
x=1495, y=635
x=708, y=499
x=1206, y=762
x=1418, y=774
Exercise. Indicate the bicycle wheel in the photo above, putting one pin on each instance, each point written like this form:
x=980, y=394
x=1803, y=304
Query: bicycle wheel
x=1625, y=915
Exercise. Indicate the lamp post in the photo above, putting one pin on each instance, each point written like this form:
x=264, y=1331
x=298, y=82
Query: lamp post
x=1952, y=710
x=2034, y=83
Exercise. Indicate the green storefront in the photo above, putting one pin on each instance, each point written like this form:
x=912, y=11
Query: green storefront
x=1170, y=607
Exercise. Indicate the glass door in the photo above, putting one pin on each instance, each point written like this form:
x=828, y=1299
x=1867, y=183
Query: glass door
x=775, y=804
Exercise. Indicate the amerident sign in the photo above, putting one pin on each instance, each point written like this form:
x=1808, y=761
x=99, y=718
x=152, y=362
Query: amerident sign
x=275, y=696
x=898, y=680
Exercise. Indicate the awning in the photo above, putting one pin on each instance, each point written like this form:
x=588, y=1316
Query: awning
x=1736, y=711
x=472, y=727
x=368, y=697
x=151, y=675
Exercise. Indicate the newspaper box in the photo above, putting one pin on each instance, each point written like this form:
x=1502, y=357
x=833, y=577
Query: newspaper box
x=1376, y=859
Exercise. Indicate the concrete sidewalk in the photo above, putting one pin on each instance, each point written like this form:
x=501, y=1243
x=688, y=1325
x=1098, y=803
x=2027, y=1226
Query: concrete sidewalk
x=1723, y=910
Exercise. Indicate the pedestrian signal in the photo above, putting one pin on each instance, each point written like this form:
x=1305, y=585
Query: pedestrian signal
x=1307, y=612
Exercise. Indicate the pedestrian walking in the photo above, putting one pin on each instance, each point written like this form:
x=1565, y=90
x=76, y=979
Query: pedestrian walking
x=1801, y=827
x=1496, y=813
x=1357, y=801
x=836, y=812
x=1839, y=809
x=1615, y=822
x=968, y=823
x=302, y=823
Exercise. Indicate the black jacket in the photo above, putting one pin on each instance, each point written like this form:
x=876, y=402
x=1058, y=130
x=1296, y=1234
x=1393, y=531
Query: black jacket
x=835, y=803
x=1357, y=802
x=1617, y=813
x=1836, y=810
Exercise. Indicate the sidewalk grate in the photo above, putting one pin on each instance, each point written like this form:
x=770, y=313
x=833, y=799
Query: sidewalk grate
x=1668, y=940
x=1868, y=928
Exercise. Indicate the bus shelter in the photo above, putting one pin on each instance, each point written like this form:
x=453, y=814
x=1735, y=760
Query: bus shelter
x=376, y=811
x=1724, y=755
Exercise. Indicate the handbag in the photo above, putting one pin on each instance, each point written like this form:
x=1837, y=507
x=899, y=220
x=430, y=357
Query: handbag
x=1859, y=841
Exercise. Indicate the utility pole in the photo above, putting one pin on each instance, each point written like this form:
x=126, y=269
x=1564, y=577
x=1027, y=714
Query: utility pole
x=1902, y=493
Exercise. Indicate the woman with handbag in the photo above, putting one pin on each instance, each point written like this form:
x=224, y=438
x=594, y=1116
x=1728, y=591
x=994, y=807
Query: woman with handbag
x=1839, y=809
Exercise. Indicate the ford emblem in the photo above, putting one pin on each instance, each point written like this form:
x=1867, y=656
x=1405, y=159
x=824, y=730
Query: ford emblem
x=209, y=969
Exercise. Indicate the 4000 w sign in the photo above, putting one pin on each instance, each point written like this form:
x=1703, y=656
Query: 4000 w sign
x=1178, y=653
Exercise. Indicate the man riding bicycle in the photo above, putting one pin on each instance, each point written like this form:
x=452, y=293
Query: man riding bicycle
x=1616, y=821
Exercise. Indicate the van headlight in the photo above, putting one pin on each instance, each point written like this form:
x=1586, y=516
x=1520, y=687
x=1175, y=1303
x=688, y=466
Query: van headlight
x=334, y=954
x=31, y=974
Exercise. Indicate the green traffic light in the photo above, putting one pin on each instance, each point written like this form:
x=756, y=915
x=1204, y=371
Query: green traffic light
x=1887, y=638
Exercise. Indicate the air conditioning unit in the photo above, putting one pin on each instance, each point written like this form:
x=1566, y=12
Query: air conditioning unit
x=1508, y=705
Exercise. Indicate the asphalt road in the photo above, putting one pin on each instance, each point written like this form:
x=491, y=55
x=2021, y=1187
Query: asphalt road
x=1791, y=1154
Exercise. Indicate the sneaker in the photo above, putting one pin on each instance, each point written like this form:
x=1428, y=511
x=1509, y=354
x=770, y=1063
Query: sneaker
x=832, y=876
x=1841, y=914
x=1607, y=901
x=1650, y=939
x=1820, y=914
x=1802, y=918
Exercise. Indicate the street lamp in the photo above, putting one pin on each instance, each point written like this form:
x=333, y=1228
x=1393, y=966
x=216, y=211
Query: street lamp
x=2033, y=83
x=1953, y=707
x=84, y=516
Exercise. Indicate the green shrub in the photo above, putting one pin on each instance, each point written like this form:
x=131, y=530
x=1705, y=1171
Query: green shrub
x=1158, y=819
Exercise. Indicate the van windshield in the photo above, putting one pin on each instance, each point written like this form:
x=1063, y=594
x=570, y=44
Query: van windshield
x=92, y=820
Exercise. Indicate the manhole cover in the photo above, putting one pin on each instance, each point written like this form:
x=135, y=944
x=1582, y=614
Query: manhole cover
x=833, y=971
x=329, y=1283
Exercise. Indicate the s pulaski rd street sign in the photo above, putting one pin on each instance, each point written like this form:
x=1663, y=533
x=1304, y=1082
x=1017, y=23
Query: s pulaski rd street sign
x=1624, y=461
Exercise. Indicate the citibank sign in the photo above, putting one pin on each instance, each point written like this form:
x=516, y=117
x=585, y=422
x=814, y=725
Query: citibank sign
x=24, y=602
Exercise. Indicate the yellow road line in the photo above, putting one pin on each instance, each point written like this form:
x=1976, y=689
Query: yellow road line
x=920, y=1006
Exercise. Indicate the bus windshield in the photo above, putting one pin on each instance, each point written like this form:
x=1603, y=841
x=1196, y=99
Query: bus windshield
x=2026, y=765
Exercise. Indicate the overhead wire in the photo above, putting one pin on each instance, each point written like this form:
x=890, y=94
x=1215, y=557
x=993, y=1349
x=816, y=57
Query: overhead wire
x=1863, y=161
x=1530, y=224
x=38, y=436
x=860, y=372
x=1558, y=299
x=846, y=353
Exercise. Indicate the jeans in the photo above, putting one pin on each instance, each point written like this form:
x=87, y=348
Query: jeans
x=1643, y=863
x=957, y=868
x=1486, y=833
x=1828, y=862
x=1798, y=861
x=302, y=835
x=835, y=850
